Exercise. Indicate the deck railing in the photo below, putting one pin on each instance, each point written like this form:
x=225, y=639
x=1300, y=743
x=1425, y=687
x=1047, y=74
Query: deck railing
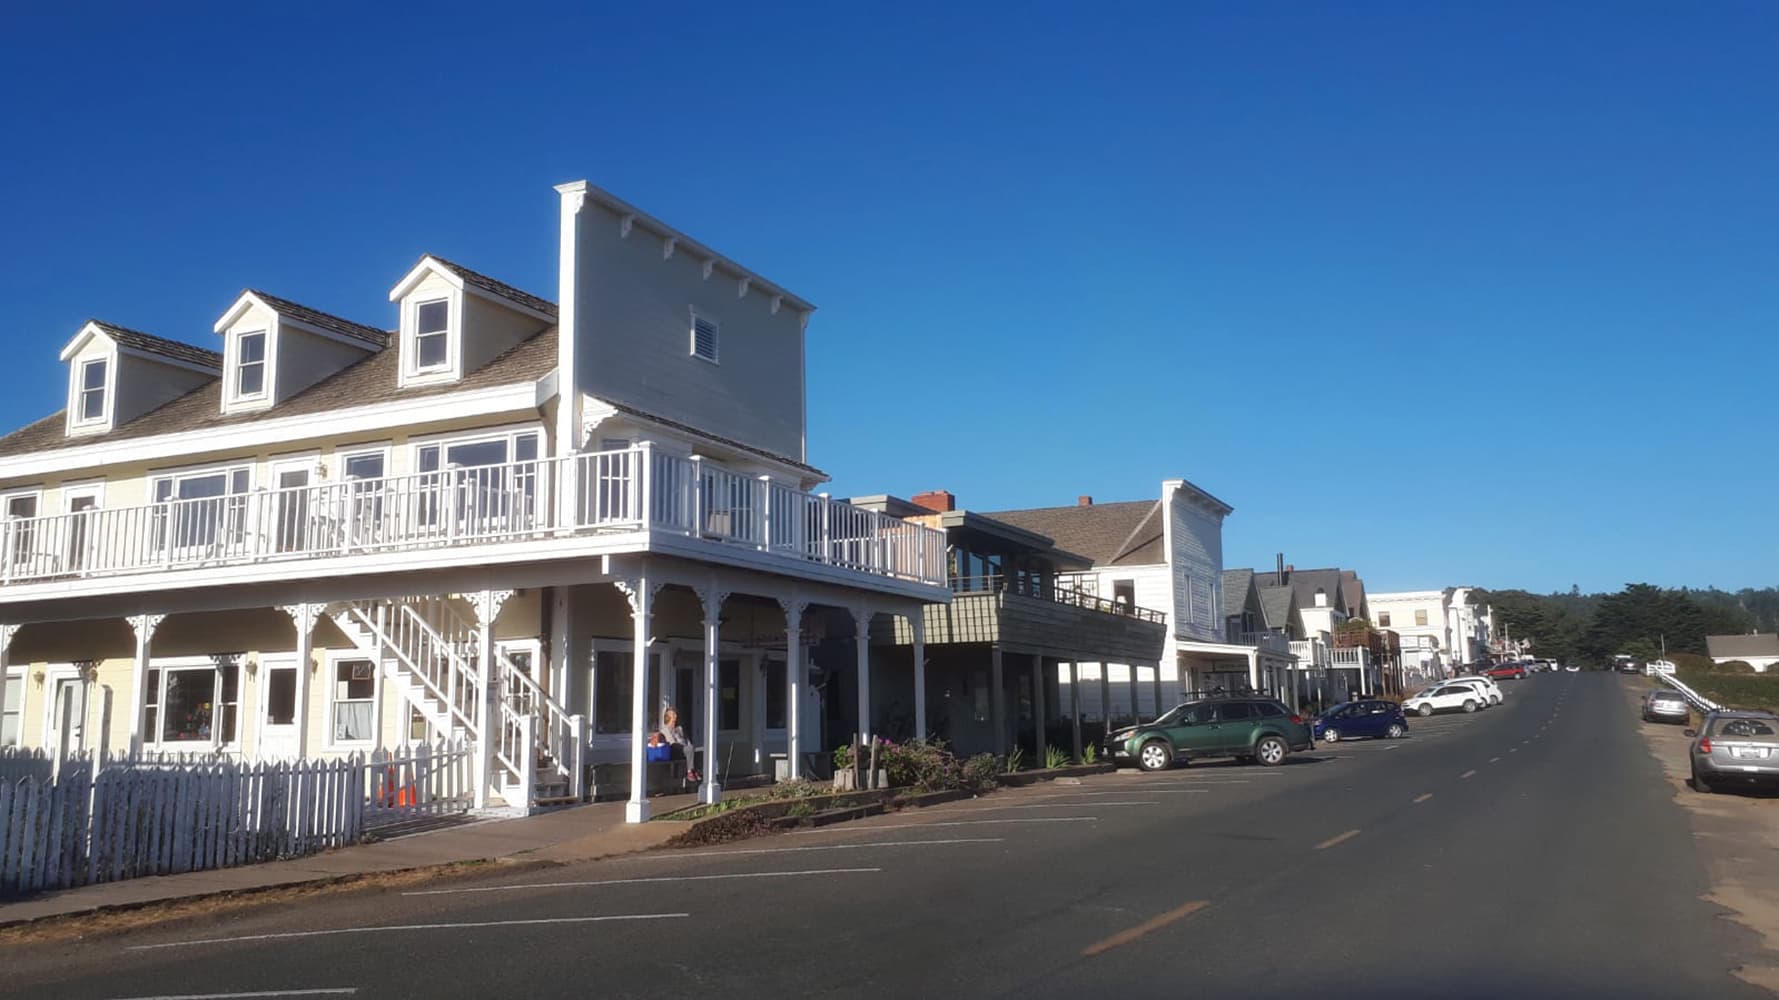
x=1277, y=642
x=629, y=489
x=1031, y=586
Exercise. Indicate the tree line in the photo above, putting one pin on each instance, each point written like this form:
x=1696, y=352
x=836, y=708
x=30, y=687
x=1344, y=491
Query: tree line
x=1592, y=628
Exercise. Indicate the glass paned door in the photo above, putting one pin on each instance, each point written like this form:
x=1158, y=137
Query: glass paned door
x=80, y=510
x=69, y=692
x=290, y=509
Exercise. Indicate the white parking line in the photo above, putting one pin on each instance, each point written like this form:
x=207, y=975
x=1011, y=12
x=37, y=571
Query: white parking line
x=390, y=929
x=923, y=826
x=639, y=881
x=335, y=991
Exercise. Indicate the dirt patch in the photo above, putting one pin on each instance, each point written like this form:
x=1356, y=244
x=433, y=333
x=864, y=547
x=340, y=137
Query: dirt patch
x=1738, y=834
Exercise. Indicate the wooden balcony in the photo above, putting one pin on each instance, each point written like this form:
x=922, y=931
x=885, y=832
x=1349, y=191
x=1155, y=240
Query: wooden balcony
x=633, y=495
x=1027, y=616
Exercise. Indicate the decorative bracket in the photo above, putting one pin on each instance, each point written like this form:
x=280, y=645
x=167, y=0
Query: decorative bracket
x=632, y=589
x=793, y=612
x=303, y=616
x=742, y=287
x=487, y=604
x=6, y=634
x=777, y=303
x=145, y=626
x=668, y=247
x=711, y=598
x=861, y=620
x=709, y=265
x=624, y=226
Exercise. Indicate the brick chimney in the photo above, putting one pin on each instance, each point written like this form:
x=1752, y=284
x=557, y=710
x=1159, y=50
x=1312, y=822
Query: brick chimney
x=937, y=501
x=1084, y=501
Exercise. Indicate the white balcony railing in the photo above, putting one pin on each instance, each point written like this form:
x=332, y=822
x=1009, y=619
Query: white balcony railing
x=629, y=490
x=1274, y=641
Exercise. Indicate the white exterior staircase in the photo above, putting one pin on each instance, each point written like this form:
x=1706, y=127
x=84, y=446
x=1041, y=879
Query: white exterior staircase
x=536, y=751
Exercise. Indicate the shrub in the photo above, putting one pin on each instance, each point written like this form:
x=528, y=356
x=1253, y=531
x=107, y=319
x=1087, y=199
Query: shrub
x=1055, y=757
x=1090, y=754
x=843, y=758
x=979, y=771
x=923, y=764
x=1733, y=667
x=1015, y=759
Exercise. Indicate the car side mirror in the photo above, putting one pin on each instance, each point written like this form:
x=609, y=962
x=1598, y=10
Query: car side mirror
x=1689, y=732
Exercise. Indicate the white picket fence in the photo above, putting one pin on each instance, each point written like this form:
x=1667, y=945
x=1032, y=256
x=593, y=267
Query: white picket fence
x=149, y=817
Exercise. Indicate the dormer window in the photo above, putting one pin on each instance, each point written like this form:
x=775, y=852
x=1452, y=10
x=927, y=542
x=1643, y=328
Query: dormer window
x=432, y=335
x=90, y=406
x=250, y=365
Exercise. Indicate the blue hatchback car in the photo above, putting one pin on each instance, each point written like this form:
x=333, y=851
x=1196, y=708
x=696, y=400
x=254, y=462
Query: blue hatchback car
x=1355, y=719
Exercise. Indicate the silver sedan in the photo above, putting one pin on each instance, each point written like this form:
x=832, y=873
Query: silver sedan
x=1662, y=705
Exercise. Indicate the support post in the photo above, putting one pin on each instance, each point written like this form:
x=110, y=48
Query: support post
x=1038, y=709
x=793, y=669
x=1075, y=703
x=1156, y=682
x=1254, y=669
x=641, y=593
x=861, y=619
x=1136, y=707
x=918, y=623
x=1106, y=693
x=487, y=719
x=998, y=700
x=103, y=749
x=710, y=791
x=144, y=626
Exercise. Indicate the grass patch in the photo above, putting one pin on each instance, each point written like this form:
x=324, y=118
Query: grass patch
x=1750, y=691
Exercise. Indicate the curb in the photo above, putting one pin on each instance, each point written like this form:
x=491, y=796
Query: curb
x=1023, y=778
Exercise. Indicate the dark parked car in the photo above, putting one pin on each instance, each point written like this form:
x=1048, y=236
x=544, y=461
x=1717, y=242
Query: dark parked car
x=1247, y=728
x=1357, y=719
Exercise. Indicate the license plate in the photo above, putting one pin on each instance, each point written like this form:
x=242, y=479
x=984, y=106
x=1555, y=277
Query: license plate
x=1748, y=753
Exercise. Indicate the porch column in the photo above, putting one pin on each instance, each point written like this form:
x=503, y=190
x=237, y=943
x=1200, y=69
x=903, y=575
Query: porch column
x=1075, y=703
x=486, y=606
x=1254, y=669
x=918, y=622
x=861, y=619
x=793, y=671
x=1157, y=682
x=710, y=792
x=1106, y=693
x=1136, y=705
x=640, y=591
x=144, y=626
x=997, y=704
x=6, y=635
x=1038, y=708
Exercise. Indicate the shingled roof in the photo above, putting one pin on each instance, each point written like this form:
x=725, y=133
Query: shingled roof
x=1111, y=534
x=1236, y=584
x=499, y=289
x=1735, y=647
x=324, y=321
x=148, y=343
x=372, y=380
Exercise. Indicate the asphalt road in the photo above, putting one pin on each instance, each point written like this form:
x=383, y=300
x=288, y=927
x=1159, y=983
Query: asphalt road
x=1529, y=850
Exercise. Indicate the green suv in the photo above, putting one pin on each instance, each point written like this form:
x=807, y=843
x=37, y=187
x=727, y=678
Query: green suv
x=1247, y=728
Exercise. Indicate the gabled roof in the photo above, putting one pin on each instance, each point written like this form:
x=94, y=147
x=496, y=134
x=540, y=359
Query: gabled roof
x=1238, y=585
x=1111, y=534
x=372, y=380
x=320, y=320
x=1276, y=604
x=463, y=276
x=148, y=343
x=1732, y=647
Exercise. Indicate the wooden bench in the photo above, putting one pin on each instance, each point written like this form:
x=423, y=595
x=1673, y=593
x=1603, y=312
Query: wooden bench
x=662, y=777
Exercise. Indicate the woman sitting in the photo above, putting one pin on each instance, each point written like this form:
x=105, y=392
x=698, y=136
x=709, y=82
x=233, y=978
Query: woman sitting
x=677, y=745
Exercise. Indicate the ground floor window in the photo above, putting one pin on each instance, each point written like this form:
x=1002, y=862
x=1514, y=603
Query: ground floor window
x=12, y=701
x=612, y=688
x=197, y=703
x=281, y=696
x=354, y=697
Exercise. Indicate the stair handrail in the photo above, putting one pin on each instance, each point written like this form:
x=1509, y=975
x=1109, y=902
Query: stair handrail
x=429, y=639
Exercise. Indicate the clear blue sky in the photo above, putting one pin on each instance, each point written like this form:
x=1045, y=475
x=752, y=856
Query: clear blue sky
x=1446, y=297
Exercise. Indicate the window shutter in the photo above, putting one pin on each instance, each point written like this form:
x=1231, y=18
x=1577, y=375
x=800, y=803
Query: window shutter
x=704, y=338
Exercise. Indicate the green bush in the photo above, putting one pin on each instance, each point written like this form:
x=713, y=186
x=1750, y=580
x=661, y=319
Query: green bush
x=1735, y=690
x=979, y=772
x=922, y=764
x=1055, y=757
x=1733, y=667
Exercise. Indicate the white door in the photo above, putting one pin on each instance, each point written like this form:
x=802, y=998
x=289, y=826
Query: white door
x=277, y=708
x=291, y=516
x=80, y=502
x=70, y=692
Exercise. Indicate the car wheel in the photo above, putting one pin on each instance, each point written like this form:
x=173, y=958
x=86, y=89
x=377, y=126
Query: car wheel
x=1154, y=756
x=1270, y=751
x=1425, y=710
x=1331, y=736
x=1395, y=731
x=1470, y=706
x=1700, y=784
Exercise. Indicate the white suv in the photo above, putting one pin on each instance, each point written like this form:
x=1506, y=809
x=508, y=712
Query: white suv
x=1489, y=688
x=1445, y=697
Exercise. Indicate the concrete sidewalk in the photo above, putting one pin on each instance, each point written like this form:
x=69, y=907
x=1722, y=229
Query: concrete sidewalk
x=578, y=833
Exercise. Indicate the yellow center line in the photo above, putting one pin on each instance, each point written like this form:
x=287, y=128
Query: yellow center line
x=1338, y=839
x=1424, y=796
x=1149, y=926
